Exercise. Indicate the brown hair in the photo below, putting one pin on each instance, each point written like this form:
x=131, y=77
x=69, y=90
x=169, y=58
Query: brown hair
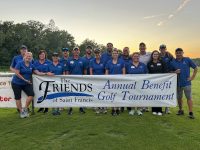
x=42, y=51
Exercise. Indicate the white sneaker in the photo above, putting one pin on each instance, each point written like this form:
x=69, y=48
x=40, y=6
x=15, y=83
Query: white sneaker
x=159, y=114
x=25, y=110
x=22, y=114
x=139, y=112
x=132, y=112
x=154, y=113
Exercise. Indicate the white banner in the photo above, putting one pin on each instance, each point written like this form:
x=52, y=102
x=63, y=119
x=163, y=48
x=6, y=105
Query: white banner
x=6, y=93
x=138, y=90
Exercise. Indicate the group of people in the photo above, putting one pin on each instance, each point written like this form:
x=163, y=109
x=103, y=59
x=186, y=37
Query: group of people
x=110, y=62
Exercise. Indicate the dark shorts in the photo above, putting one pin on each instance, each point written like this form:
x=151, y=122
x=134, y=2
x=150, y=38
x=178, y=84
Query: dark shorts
x=17, y=89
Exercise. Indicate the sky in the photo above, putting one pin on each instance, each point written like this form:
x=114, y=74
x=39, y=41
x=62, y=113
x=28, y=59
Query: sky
x=175, y=23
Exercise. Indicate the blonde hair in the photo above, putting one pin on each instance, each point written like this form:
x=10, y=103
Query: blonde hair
x=28, y=53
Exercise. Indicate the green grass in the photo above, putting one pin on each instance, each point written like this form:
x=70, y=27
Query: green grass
x=92, y=132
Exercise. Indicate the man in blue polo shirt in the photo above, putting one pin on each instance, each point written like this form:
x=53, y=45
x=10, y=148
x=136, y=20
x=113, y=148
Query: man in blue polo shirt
x=181, y=65
x=76, y=66
x=125, y=56
x=18, y=58
x=88, y=57
x=106, y=56
x=63, y=60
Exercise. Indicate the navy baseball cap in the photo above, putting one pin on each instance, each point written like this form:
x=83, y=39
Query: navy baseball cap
x=65, y=49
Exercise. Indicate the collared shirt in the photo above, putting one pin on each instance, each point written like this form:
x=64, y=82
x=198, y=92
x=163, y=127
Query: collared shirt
x=87, y=63
x=159, y=67
x=76, y=66
x=167, y=59
x=56, y=69
x=145, y=58
x=15, y=60
x=127, y=61
x=184, y=65
x=41, y=67
x=97, y=68
x=105, y=57
x=140, y=69
x=63, y=61
x=115, y=68
x=25, y=71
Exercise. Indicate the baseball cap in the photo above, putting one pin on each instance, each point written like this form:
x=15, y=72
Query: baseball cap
x=163, y=46
x=23, y=47
x=55, y=54
x=179, y=50
x=75, y=48
x=97, y=50
x=65, y=49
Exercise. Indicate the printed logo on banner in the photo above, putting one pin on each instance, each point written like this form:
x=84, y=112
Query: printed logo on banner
x=53, y=89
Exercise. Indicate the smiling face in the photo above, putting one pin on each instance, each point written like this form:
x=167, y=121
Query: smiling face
x=155, y=55
x=109, y=47
x=23, y=51
x=142, y=48
x=179, y=54
x=65, y=53
x=126, y=51
x=76, y=52
x=42, y=56
x=28, y=57
x=135, y=57
x=115, y=54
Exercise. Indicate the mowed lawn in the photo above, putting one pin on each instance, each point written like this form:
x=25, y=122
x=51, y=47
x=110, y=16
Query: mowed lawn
x=102, y=132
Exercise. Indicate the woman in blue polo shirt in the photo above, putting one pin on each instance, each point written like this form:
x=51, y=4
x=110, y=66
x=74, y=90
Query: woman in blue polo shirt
x=115, y=66
x=97, y=67
x=41, y=68
x=55, y=68
x=22, y=82
x=136, y=67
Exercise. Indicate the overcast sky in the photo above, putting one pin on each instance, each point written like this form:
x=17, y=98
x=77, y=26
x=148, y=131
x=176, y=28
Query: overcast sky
x=175, y=23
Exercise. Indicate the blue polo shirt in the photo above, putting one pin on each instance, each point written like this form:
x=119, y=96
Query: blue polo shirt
x=57, y=70
x=140, y=69
x=25, y=71
x=105, y=57
x=98, y=68
x=41, y=67
x=87, y=63
x=63, y=61
x=76, y=66
x=115, y=68
x=184, y=65
x=15, y=60
x=126, y=60
x=167, y=59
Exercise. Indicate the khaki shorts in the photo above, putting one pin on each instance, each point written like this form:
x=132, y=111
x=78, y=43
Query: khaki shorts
x=187, y=91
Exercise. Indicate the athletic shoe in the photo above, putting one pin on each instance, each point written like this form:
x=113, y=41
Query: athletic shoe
x=26, y=112
x=132, y=112
x=180, y=112
x=154, y=113
x=81, y=110
x=104, y=111
x=191, y=116
x=58, y=112
x=97, y=112
x=23, y=114
x=46, y=110
x=41, y=110
x=139, y=113
x=122, y=109
x=159, y=114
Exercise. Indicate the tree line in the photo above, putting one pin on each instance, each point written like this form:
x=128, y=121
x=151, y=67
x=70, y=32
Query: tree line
x=36, y=36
